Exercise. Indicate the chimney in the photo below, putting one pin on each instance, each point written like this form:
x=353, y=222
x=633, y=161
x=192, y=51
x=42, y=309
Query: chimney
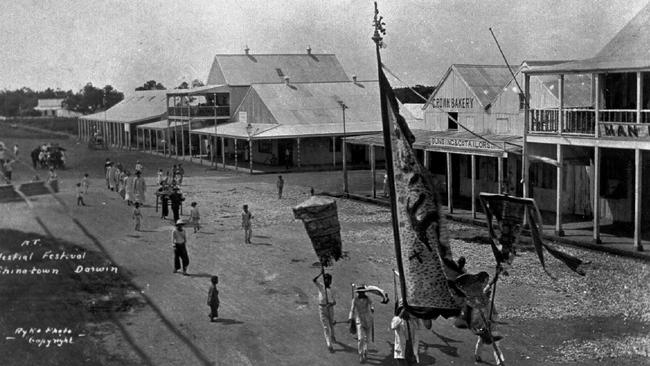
x=309, y=50
x=354, y=79
x=247, y=49
x=286, y=80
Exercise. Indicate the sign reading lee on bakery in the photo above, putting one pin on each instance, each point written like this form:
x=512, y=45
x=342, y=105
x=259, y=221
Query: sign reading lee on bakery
x=456, y=103
x=463, y=143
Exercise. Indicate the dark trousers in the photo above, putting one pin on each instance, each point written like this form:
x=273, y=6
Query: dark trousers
x=165, y=208
x=180, y=255
x=175, y=212
x=80, y=201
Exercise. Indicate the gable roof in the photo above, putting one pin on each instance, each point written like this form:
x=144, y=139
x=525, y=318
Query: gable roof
x=139, y=106
x=628, y=50
x=577, y=87
x=250, y=69
x=484, y=81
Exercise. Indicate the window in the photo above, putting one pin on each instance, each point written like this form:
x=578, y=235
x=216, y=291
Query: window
x=452, y=118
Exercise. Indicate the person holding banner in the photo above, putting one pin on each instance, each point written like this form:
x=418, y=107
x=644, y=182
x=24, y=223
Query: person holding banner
x=361, y=312
x=326, y=302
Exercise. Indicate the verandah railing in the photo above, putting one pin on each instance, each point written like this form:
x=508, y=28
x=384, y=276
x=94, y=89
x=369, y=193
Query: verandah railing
x=582, y=121
x=199, y=111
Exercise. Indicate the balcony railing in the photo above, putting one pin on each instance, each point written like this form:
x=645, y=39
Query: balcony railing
x=199, y=111
x=583, y=121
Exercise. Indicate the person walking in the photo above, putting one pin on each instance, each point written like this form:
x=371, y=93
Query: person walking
x=80, y=195
x=107, y=166
x=246, y=218
x=361, y=313
x=213, y=299
x=176, y=199
x=34, y=155
x=139, y=188
x=159, y=178
x=129, y=187
x=16, y=150
x=280, y=185
x=138, y=167
x=137, y=216
x=163, y=192
x=179, y=243
x=195, y=217
x=404, y=326
x=181, y=173
x=326, y=302
x=8, y=168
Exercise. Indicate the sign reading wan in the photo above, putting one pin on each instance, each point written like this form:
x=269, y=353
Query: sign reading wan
x=455, y=103
x=625, y=130
x=463, y=143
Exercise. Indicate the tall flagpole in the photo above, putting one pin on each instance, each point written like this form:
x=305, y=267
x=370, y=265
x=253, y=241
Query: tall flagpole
x=388, y=149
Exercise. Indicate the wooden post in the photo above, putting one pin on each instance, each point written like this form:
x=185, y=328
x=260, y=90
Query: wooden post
x=596, y=105
x=250, y=155
x=638, y=176
x=500, y=175
x=426, y=162
x=596, y=170
x=201, y=149
x=298, y=152
x=333, y=151
x=639, y=96
x=558, y=195
x=182, y=141
x=450, y=204
x=236, y=167
x=560, y=109
x=524, y=155
x=223, y=151
x=189, y=126
x=373, y=170
x=473, y=157
x=345, y=166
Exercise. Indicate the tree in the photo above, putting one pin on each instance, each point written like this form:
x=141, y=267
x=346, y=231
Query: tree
x=151, y=85
x=183, y=85
x=406, y=95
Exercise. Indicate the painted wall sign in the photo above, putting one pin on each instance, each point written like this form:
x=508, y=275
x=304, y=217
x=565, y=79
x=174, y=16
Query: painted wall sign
x=630, y=131
x=456, y=103
x=463, y=143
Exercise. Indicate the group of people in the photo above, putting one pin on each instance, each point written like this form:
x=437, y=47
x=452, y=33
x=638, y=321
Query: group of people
x=47, y=156
x=131, y=187
x=404, y=325
x=7, y=161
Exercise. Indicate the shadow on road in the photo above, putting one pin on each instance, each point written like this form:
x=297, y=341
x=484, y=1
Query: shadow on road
x=203, y=275
x=228, y=321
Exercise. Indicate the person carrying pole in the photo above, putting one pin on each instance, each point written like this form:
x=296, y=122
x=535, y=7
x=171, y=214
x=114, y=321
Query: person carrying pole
x=326, y=302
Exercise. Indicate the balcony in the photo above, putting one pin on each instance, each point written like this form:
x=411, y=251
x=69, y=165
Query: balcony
x=582, y=122
x=200, y=111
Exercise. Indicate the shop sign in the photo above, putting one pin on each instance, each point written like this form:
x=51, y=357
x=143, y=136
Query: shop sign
x=455, y=103
x=463, y=143
x=625, y=130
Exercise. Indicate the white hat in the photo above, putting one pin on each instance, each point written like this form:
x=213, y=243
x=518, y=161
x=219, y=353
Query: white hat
x=180, y=222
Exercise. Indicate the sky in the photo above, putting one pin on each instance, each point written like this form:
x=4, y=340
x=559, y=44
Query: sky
x=65, y=44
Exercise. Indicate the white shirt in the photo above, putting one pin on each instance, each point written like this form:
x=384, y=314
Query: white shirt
x=322, y=291
x=178, y=237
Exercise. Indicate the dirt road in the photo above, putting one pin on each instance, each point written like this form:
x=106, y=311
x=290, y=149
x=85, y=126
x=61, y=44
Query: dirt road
x=268, y=303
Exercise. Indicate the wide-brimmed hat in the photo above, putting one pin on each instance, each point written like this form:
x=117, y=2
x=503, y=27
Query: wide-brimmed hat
x=180, y=222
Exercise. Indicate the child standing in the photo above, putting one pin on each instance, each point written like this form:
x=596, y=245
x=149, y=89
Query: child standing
x=84, y=183
x=137, y=216
x=213, y=299
x=246, y=218
x=195, y=217
x=80, y=195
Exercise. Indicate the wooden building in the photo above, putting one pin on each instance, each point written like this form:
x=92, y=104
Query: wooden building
x=117, y=125
x=610, y=134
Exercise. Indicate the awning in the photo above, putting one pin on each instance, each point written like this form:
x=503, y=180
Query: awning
x=269, y=131
x=457, y=142
x=591, y=65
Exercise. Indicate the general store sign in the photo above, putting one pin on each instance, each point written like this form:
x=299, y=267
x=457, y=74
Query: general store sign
x=455, y=103
x=624, y=130
x=463, y=143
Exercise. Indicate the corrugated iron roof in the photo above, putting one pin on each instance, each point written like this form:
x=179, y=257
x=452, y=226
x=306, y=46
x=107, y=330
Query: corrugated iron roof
x=317, y=103
x=485, y=81
x=628, y=50
x=207, y=89
x=141, y=105
x=255, y=69
x=164, y=124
